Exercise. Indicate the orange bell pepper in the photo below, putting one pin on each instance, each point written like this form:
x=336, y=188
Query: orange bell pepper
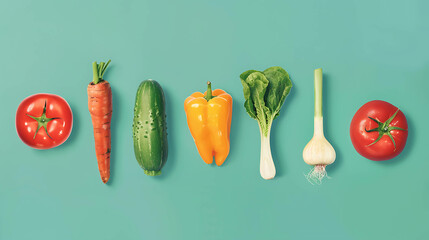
x=209, y=120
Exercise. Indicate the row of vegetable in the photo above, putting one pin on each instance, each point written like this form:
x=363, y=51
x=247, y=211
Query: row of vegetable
x=378, y=130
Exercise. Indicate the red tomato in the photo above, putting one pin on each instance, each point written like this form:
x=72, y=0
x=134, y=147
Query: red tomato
x=379, y=130
x=44, y=121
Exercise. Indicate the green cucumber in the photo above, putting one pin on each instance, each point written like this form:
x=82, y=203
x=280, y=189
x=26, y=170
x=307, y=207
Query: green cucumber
x=150, y=128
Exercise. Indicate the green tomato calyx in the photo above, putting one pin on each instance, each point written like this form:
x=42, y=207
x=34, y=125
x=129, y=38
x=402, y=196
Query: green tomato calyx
x=42, y=121
x=384, y=128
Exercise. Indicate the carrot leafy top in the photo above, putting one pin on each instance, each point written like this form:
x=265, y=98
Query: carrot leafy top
x=98, y=71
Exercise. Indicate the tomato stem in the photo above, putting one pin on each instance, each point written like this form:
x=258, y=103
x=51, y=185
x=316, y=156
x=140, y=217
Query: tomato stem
x=384, y=128
x=42, y=121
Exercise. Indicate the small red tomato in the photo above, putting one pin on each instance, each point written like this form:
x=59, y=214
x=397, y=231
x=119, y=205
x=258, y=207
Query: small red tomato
x=379, y=130
x=44, y=121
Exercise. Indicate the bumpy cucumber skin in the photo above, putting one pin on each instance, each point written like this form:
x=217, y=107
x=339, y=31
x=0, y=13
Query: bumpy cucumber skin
x=150, y=128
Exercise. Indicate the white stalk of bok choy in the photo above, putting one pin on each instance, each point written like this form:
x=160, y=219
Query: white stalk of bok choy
x=318, y=152
x=265, y=93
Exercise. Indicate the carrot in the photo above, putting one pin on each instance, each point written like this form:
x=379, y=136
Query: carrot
x=100, y=108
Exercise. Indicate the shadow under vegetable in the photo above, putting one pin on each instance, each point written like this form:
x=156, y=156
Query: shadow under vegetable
x=114, y=135
x=275, y=141
x=169, y=164
x=328, y=95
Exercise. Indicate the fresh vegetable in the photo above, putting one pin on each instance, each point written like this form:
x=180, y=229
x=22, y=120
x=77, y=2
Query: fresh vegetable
x=150, y=128
x=265, y=93
x=100, y=108
x=209, y=120
x=318, y=152
x=379, y=130
x=44, y=121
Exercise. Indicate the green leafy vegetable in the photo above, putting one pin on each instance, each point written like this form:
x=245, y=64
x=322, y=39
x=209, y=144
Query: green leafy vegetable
x=265, y=93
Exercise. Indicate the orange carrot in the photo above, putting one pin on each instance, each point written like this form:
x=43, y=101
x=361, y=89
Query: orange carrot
x=100, y=108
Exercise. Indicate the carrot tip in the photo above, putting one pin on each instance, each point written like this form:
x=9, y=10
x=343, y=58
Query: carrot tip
x=104, y=179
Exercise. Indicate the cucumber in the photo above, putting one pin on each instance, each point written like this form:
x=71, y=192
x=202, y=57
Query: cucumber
x=150, y=128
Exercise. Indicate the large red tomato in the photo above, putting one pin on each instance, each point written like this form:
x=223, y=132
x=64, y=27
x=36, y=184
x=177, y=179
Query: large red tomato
x=44, y=121
x=379, y=130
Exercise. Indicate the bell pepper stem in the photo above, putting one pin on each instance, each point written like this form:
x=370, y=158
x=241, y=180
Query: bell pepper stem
x=209, y=91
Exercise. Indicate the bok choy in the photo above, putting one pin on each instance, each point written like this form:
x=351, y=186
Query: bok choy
x=265, y=93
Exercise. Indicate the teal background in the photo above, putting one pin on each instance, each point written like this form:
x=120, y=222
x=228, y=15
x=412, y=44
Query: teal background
x=368, y=50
